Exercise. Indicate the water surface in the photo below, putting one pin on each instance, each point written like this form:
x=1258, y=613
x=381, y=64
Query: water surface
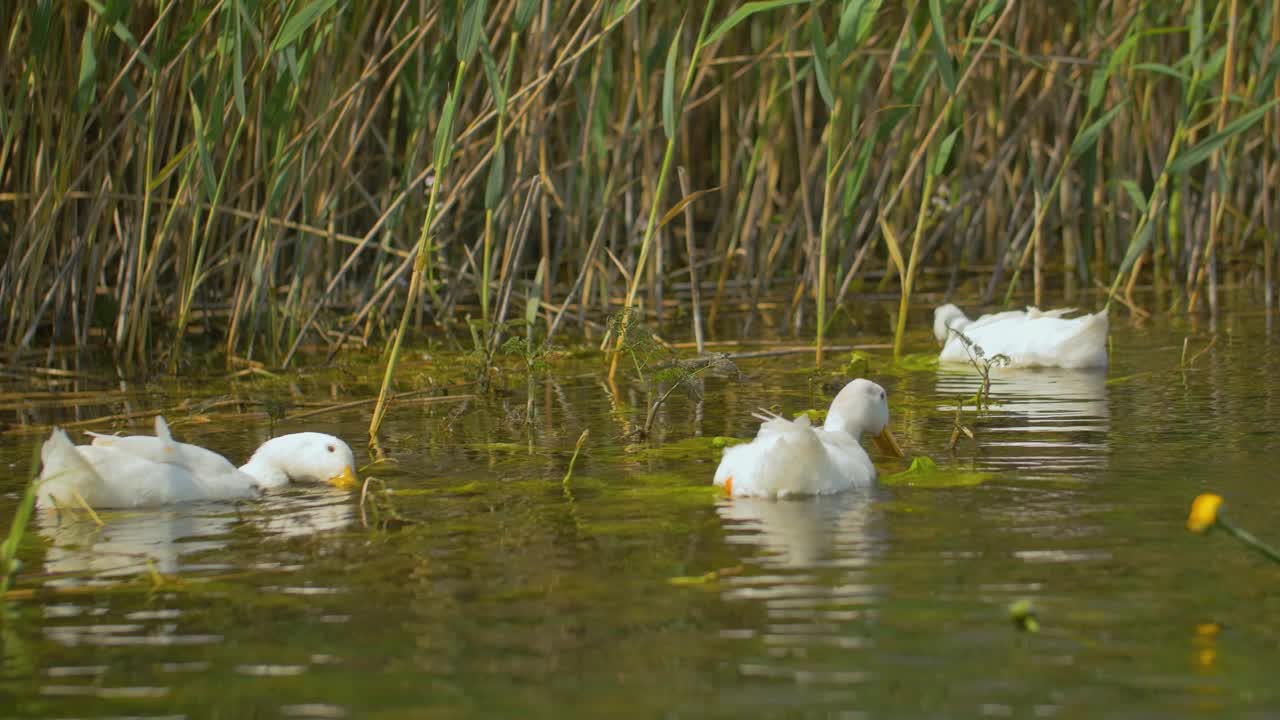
x=634, y=590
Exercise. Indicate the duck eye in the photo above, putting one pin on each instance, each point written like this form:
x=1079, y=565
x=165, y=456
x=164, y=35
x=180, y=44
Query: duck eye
x=882, y=394
x=330, y=448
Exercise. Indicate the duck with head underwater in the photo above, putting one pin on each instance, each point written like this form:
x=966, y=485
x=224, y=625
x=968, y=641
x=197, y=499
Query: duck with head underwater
x=1030, y=338
x=142, y=471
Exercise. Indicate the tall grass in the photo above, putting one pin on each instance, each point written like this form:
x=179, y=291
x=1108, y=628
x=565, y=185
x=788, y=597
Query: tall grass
x=267, y=178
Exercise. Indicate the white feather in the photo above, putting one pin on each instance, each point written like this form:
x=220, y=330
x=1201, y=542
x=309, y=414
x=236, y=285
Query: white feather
x=142, y=471
x=791, y=457
x=1030, y=338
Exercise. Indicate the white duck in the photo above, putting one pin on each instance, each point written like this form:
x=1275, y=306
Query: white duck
x=1029, y=339
x=141, y=471
x=790, y=457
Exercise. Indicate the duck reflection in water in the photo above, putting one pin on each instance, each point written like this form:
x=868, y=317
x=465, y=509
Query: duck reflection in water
x=1034, y=418
x=808, y=532
x=179, y=538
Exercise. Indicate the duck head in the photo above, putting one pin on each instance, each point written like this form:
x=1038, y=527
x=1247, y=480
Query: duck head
x=863, y=407
x=304, y=458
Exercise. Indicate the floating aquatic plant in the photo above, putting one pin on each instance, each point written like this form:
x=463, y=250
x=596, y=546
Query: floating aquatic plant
x=1023, y=615
x=925, y=473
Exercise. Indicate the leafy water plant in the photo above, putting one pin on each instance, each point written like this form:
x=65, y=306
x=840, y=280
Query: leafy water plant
x=958, y=427
x=924, y=472
x=577, y=448
x=983, y=364
x=1023, y=615
x=657, y=366
x=1206, y=514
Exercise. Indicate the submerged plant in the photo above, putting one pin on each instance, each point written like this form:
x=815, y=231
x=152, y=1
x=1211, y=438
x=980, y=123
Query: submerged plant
x=656, y=365
x=983, y=364
x=577, y=448
x=958, y=427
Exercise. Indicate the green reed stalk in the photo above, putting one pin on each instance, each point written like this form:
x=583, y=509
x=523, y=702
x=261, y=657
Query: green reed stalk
x=828, y=186
x=443, y=152
x=18, y=528
x=672, y=109
x=1217, y=162
x=499, y=89
x=907, y=277
x=103, y=107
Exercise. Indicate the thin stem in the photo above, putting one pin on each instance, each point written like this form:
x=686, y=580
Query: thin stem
x=1249, y=539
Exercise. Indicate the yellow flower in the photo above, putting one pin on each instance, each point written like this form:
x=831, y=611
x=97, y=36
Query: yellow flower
x=1204, y=512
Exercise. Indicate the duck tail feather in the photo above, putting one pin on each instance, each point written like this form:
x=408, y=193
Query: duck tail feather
x=162, y=429
x=59, y=459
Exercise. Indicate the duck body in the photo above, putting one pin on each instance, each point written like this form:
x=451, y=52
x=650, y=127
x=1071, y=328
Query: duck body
x=141, y=471
x=1030, y=338
x=793, y=458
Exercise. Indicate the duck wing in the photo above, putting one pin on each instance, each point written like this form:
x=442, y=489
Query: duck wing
x=787, y=457
x=107, y=477
x=1038, y=339
x=163, y=448
x=135, y=471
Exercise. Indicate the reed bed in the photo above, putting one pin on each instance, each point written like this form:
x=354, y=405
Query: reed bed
x=265, y=178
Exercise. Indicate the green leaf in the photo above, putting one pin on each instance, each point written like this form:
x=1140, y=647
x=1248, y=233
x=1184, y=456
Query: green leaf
x=496, y=87
x=925, y=473
x=1202, y=150
x=856, y=18
x=1162, y=69
x=493, y=184
x=987, y=11
x=41, y=19
x=470, y=29
x=160, y=177
x=1136, y=246
x=237, y=74
x=938, y=44
x=1212, y=69
x=87, y=82
x=1098, y=83
x=444, y=134
x=818, y=44
x=669, y=85
x=1097, y=86
x=1089, y=136
x=745, y=12
x=298, y=23
x=207, y=172
x=525, y=13
x=944, y=153
x=1136, y=196
x=856, y=176
x=535, y=294
x=174, y=43
x=112, y=17
x=1197, y=34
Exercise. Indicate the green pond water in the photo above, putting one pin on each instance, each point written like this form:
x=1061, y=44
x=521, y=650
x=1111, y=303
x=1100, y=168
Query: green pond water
x=634, y=590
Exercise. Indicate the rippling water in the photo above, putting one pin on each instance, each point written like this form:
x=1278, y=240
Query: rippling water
x=633, y=590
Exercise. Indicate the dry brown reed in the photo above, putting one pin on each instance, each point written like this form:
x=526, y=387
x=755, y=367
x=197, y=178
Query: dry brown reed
x=265, y=178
